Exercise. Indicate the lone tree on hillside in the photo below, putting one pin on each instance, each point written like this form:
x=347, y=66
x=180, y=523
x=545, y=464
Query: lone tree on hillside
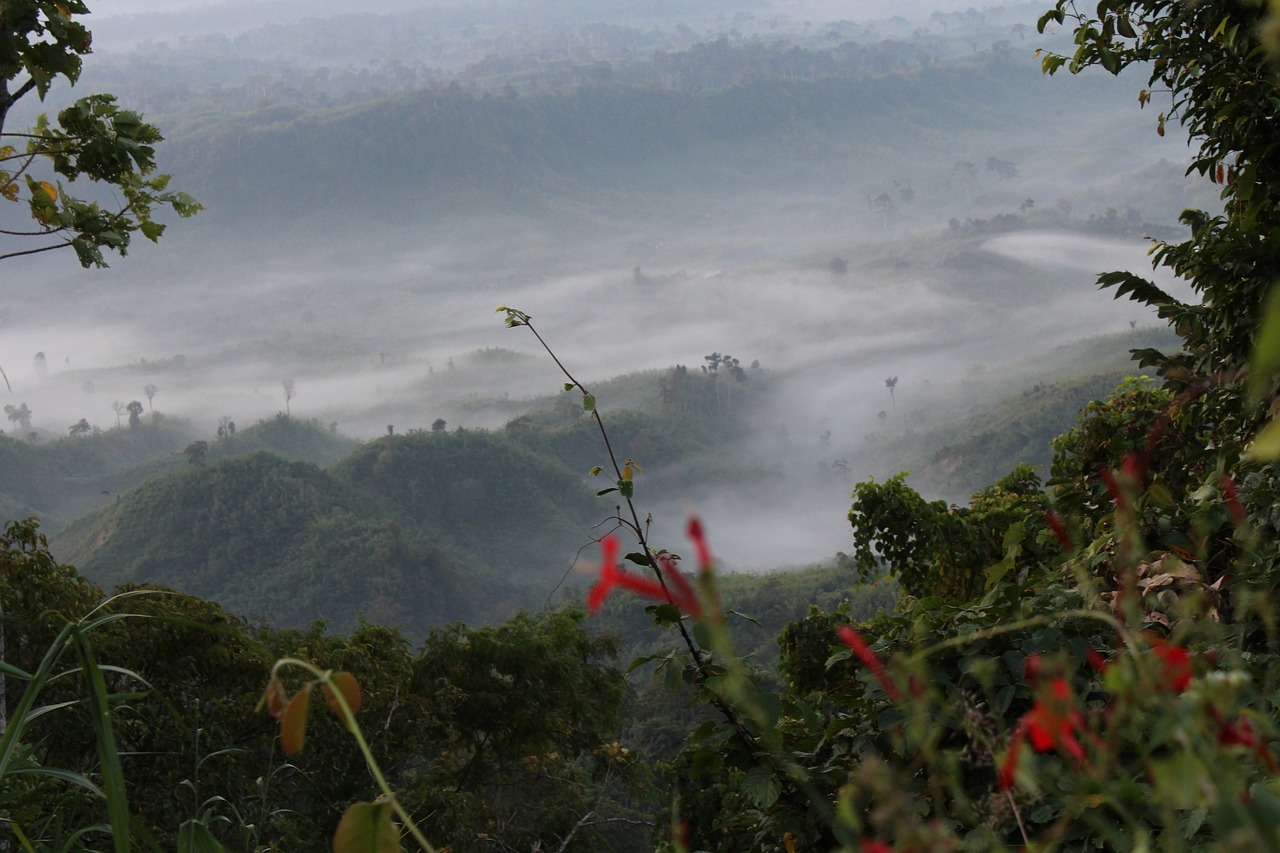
x=19, y=415
x=290, y=391
x=151, y=392
x=118, y=408
x=135, y=414
x=891, y=383
x=92, y=140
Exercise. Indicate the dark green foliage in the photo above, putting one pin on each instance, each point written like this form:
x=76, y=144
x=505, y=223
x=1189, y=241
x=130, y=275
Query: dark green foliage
x=506, y=732
x=518, y=512
x=295, y=439
x=679, y=425
x=283, y=541
x=945, y=551
x=62, y=479
x=510, y=767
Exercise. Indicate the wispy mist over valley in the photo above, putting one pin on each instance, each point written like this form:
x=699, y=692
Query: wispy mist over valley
x=934, y=220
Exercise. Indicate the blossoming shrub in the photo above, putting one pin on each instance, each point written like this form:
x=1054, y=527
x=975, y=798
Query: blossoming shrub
x=1038, y=717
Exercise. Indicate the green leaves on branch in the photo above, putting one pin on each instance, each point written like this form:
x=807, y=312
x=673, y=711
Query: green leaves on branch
x=516, y=317
x=43, y=40
x=93, y=141
x=96, y=141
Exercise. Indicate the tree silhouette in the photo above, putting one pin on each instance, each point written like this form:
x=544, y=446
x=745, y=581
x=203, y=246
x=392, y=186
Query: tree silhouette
x=19, y=415
x=891, y=383
x=79, y=428
x=290, y=391
x=118, y=408
x=135, y=414
x=150, y=391
x=196, y=452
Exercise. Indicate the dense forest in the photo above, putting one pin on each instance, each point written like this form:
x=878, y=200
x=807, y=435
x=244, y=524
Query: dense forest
x=1074, y=647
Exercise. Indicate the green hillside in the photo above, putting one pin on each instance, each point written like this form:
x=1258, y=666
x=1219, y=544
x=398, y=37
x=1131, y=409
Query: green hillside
x=963, y=454
x=60, y=480
x=276, y=540
x=519, y=513
x=412, y=530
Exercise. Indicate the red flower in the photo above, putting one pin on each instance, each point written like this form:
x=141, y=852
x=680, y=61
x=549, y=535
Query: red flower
x=874, y=845
x=1059, y=528
x=1133, y=466
x=676, y=591
x=1229, y=494
x=1052, y=723
x=1054, y=720
x=1109, y=480
x=1240, y=732
x=854, y=641
x=699, y=540
x=1175, y=665
x=1096, y=660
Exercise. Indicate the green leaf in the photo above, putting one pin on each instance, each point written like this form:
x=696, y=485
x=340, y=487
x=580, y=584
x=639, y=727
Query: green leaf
x=770, y=707
x=367, y=828
x=110, y=768
x=151, y=230
x=1265, y=446
x=1265, y=362
x=636, y=663
x=65, y=775
x=997, y=572
x=639, y=559
x=588, y=402
x=664, y=614
x=194, y=837
x=762, y=786
x=1160, y=495
x=673, y=678
x=11, y=670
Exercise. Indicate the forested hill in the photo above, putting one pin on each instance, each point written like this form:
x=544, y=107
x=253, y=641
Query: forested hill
x=413, y=530
x=445, y=150
x=61, y=479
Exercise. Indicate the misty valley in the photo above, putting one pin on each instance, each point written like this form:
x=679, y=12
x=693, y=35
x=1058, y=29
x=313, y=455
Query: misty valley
x=808, y=475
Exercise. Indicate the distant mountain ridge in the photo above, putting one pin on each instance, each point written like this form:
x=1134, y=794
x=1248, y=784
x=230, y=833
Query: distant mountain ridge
x=452, y=152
